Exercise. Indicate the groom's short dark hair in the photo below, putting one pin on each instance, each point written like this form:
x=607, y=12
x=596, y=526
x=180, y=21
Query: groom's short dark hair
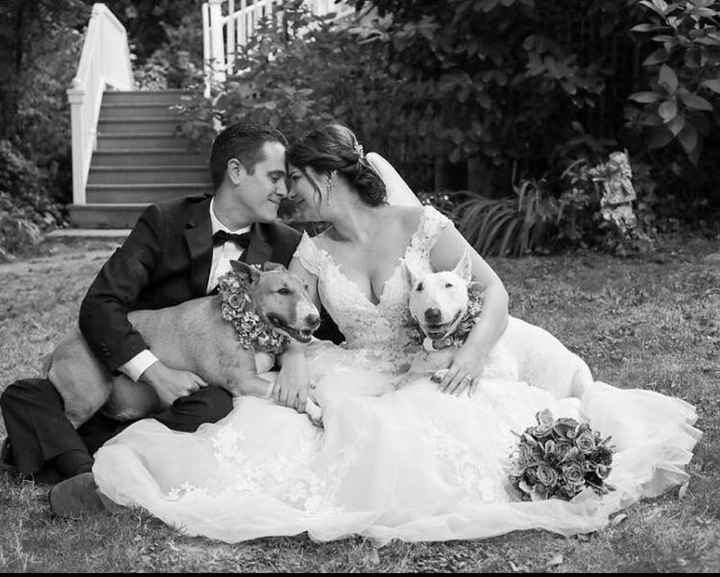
x=243, y=140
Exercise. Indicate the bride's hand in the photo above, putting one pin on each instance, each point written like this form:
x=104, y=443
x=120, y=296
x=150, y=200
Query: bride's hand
x=293, y=381
x=464, y=372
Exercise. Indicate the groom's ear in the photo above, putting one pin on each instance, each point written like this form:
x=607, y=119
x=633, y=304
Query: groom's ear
x=248, y=273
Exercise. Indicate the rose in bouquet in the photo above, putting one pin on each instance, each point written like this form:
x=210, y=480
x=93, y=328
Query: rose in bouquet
x=560, y=458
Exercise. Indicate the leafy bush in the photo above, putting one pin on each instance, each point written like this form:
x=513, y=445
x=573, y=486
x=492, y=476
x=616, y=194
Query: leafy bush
x=523, y=84
x=683, y=74
x=177, y=63
x=313, y=71
x=25, y=208
x=508, y=226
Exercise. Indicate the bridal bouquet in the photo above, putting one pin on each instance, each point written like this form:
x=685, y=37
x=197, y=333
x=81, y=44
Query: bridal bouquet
x=560, y=458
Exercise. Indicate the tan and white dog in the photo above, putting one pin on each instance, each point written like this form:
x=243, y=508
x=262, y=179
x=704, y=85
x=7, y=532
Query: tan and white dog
x=191, y=336
x=445, y=305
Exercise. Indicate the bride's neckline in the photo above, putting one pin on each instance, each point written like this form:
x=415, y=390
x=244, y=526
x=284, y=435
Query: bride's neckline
x=383, y=289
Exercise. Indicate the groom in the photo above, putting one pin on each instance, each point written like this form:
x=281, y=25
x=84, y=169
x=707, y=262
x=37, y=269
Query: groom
x=176, y=252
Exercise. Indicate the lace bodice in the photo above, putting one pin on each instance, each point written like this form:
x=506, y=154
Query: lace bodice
x=379, y=329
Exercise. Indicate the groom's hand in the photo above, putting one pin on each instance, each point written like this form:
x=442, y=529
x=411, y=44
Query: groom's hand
x=171, y=384
x=293, y=381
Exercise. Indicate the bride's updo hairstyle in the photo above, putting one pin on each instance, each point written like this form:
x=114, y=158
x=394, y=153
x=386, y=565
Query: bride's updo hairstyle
x=335, y=147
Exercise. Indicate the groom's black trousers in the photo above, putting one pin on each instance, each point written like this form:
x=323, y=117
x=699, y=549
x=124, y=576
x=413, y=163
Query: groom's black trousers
x=41, y=436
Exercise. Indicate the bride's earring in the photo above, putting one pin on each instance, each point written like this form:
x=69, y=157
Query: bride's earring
x=329, y=187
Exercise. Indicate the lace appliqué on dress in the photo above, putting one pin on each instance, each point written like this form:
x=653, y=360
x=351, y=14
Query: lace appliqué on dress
x=375, y=331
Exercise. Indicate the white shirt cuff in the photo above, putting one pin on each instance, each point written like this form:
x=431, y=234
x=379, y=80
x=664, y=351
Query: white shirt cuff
x=136, y=366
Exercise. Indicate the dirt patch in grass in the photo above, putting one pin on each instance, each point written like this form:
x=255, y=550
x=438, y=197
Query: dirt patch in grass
x=650, y=322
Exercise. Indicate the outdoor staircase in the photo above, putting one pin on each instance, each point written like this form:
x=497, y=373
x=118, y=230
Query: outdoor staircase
x=140, y=159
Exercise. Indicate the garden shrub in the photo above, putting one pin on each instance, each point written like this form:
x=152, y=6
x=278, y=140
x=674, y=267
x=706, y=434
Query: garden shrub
x=510, y=101
x=25, y=208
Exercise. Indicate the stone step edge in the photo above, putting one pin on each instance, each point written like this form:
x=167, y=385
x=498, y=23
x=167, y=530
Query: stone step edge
x=89, y=233
x=168, y=167
x=150, y=185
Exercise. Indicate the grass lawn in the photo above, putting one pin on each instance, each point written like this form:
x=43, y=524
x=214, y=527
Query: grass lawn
x=651, y=322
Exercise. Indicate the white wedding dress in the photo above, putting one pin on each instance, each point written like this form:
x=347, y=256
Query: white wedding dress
x=412, y=463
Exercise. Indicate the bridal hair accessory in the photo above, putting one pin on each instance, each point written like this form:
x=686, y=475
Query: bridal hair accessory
x=359, y=149
x=560, y=458
x=253, y=332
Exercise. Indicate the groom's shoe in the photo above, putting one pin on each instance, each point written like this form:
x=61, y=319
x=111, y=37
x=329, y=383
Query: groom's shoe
x=6, y=460
x=78, y=495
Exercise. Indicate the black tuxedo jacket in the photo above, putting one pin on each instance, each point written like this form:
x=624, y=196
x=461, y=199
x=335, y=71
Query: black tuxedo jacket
x=163, y=262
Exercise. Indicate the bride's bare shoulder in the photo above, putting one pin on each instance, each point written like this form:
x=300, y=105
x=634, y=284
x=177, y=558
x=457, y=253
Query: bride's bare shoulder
x=323, y=240
x=407, y=216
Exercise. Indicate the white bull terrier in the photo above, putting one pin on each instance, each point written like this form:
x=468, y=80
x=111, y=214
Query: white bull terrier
x=445, y=304
x=228, y=339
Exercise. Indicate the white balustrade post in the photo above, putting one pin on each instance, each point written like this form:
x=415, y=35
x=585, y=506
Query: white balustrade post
x=206, y=49
x=217, y=59
x=242, y=23
x=76, y=97
x=230, y=36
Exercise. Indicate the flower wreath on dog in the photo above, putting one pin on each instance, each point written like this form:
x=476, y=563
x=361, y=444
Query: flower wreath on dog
x=252, y=330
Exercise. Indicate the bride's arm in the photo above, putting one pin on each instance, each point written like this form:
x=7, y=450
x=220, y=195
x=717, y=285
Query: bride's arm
x=469, y=361
x=293, y=381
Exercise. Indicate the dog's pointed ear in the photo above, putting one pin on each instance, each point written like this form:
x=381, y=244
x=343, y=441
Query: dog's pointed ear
x=248, y=273
x=410, y=276
x=273, y=266
x=464, y=268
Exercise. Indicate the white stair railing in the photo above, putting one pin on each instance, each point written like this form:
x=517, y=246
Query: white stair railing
x=228, y=24
x=104, y=61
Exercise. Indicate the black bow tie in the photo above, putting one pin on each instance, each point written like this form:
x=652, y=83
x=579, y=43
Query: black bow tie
x=222, y=236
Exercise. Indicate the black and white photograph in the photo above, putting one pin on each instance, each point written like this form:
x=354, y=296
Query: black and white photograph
x=369, y=286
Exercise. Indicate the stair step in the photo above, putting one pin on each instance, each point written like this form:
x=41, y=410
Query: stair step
x=149, y=174
x=145, y=96
x=136, y=111
x=147, y=157
x=141, y=193
x=149, y=140
x=166, y=126
x=112, y=216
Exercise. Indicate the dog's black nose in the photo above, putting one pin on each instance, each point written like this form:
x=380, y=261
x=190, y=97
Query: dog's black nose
x=313, y=321
x=433, y=316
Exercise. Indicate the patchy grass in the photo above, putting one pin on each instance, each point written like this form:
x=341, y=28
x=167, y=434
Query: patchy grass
x=651, y=322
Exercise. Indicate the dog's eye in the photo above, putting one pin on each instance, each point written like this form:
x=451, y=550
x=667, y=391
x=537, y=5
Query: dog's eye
x=419, y=287
x=284, y=291
x=448, y=285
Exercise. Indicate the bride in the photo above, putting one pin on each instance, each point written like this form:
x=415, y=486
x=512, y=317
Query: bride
x=420, y=462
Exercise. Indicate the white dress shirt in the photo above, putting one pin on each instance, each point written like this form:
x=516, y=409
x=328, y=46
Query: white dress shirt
x=221, y=257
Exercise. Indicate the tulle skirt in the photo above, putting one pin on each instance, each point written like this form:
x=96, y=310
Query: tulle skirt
x=413, y=464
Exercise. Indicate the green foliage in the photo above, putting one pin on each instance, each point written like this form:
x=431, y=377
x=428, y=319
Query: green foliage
x=506, y=81
x=153, y=24
x=312, y=71
x=530, y=85
x=25, y=209
x=178, y=62
x=39, y=55
x=682, y=74
x=508, y=226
